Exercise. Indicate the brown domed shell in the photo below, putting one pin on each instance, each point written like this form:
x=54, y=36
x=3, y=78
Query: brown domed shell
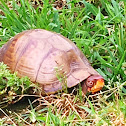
x=46, y=58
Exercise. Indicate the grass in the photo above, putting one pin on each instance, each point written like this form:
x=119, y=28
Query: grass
x=99, y=30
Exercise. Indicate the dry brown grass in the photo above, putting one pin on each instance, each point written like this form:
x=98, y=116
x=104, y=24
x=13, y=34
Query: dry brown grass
x=64, y=105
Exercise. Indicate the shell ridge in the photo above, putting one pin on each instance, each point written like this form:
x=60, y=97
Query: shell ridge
x=22, y=52
x=45, y=57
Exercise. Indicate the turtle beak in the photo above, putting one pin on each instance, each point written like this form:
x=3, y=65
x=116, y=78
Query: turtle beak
x=98, y=86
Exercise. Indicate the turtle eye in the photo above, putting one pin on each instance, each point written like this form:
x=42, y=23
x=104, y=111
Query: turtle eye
x=90, y=83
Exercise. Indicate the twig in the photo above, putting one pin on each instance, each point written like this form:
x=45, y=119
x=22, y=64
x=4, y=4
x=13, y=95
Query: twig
x=22, y=119
x=8, y=117
x=73, y=108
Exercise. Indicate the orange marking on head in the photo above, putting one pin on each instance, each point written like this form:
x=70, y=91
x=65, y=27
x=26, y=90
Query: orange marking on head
x=98, y=86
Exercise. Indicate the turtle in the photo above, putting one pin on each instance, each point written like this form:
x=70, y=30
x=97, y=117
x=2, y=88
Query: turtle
x=46, y=58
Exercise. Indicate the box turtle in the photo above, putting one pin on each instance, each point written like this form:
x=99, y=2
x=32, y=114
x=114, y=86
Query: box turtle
x=46, y=58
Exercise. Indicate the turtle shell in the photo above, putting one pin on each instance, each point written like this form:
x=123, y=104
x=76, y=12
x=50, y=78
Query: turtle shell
x=47, y=58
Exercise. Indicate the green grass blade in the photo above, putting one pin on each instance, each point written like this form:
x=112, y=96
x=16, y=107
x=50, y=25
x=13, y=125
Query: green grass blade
x=121, y=61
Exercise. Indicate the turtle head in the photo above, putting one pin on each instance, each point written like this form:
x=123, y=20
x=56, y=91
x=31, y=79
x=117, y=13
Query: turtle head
x=93, y=83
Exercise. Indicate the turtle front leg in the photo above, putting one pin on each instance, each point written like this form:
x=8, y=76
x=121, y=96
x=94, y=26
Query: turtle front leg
x=84, y=87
